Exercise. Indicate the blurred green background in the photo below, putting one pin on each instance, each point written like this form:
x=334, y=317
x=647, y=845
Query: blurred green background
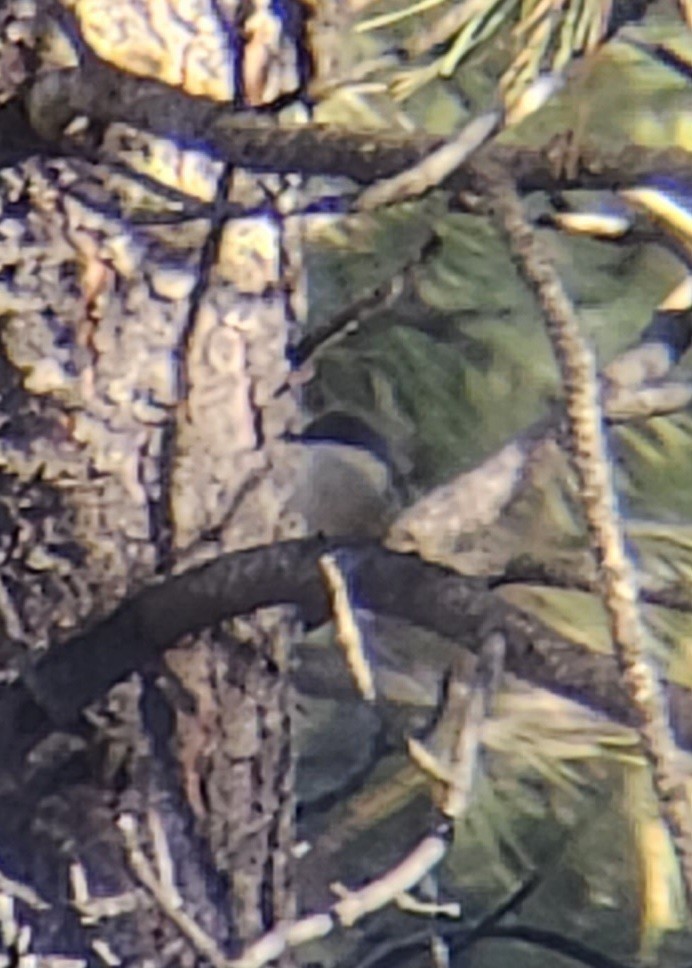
x=447, y=372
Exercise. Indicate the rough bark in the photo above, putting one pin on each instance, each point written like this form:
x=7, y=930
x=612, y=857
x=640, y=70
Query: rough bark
x=140, y=421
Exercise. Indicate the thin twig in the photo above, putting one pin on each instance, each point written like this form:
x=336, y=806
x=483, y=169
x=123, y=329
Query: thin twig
x=347, y=629
x=464, y=750
x=425, y=856
x=432, y=170
x=459, y=937
x=167, y=901
x=594, y=470
x=458, y=731
x=363, y=306
x=350, y=907
x=22, y=892
x=428, y=909
x=93, y=909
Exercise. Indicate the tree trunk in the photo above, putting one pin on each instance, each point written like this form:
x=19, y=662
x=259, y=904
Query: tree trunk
x=144, y=402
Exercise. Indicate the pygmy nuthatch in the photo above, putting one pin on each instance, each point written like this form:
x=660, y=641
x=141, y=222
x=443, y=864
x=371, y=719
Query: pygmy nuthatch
x=345, y=485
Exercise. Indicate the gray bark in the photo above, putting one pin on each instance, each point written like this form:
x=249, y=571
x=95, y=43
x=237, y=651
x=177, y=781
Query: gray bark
x=141, y=429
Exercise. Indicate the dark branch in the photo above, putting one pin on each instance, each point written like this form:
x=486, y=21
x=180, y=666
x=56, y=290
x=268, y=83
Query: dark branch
x=77, y=672
x=106, y=94
x=570, y=948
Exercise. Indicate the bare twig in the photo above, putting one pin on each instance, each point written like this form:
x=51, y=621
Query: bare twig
x=593, y=468
x=351, y=907
x=169, y=902
x=433, y=169
x=427, y=854
x=22, y=892
x=347, y=630
x=413, y=905
x=463, y=936
x=93, y=909
x=162, y=856
x=466, y=706
x=362, y=307
x=15, y=937
x=464, y=749
x=460, y=938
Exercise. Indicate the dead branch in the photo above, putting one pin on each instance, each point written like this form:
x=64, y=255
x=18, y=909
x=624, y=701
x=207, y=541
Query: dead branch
x=167, y=899
x=435, y=168
x=463, y=751
x=591, y=461
x=347, y=910
x=362, y=307
x=347, y=631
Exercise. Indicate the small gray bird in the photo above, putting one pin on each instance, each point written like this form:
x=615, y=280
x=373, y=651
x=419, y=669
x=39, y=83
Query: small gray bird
x=346, y=485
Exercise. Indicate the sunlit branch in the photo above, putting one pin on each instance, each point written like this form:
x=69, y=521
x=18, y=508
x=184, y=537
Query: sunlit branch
x=591, y=460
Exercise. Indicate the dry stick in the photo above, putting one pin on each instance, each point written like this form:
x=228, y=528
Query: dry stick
x=463, y=759
x=169, y=903
x=92, y=909
x=594, y=471
x=348, y=634
x=22, y=892
x=350, y=908
x=432, y=170
x=466, y=708
x=381, y=297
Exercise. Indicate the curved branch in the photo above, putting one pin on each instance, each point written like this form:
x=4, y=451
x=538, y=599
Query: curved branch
x=75, y=673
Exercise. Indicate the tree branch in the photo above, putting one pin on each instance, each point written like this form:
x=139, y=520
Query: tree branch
x=591, y=461
x=73, y=674
x=106, y=95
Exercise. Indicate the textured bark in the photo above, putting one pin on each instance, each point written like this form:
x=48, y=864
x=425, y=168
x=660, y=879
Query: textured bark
x=140, y=423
